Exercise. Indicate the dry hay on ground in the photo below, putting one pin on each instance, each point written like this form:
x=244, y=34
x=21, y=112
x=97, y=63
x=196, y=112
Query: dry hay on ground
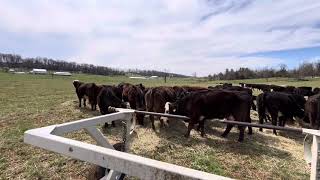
x=261, y=156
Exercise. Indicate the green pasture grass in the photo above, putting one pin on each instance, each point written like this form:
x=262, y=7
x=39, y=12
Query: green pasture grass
x=32, y=101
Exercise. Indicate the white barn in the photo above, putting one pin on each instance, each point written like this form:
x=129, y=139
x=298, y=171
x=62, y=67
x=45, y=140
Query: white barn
x=39, y=71
x=62, y=73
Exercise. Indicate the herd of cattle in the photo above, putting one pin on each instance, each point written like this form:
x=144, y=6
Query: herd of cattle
x=276, y=103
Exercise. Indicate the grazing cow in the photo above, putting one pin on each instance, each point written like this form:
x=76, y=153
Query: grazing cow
x=156, y=99
x=117, y=91
x=209, y=104
x=107, y=97
x=135, y=96
x=312, y=110
x=303, y=91
x=280, y=104
x=316, y=90
x=238, y=88
x=90, y=91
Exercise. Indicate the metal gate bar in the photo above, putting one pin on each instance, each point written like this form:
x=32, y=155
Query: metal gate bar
x=281, y=128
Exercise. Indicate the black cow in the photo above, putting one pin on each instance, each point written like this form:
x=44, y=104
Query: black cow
x=107, y=97
x=87, y=90
x=278, y=103
x=238, y=88
x=303, y=91
x=134, y=94
x=209, y=104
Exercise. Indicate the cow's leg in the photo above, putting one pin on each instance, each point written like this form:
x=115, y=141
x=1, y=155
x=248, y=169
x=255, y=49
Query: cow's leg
x=140, y=118
x=274, y=117
x=84, y=102
x=241, y=134
x=92, y=107
x=79, y=101
x=227, y=130
x=113, y=124
x=249, y=127
x=201, y=125
x=260, y=122
x=161, y=122
x=152, y=122
x=190, y=127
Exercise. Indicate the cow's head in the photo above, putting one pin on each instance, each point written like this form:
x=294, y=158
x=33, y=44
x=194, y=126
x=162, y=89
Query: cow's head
x=125, y=105
x=76, y=83
x=170, y=108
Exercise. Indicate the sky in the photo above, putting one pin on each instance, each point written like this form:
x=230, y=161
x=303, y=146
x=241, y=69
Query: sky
x=181, y=36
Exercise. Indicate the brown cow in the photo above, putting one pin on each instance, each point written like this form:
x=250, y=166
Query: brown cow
x=156, y=99
x=135, y=96
x=312, y=110
x=209, y=104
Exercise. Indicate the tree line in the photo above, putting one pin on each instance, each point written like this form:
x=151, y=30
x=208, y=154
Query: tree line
x=16, y=61
x=303, y=70
x=154, y=73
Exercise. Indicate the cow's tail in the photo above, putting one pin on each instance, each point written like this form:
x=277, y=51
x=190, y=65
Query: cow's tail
x=261, y=107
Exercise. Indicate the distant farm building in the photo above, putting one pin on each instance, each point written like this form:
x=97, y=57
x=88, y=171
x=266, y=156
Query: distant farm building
x=11, y=70
x=38, y=71
x=62, y=74
x=153, y=77
x=19, y=72
x=137, y=77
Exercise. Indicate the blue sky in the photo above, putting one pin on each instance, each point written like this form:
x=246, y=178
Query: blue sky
x=183, y=36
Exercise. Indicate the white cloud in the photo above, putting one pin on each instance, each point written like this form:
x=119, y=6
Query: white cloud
x=185, y=35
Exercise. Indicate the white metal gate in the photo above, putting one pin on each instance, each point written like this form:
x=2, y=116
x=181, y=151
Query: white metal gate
x=104, y=155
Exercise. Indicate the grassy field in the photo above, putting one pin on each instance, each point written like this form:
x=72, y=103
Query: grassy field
x=31, y=101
